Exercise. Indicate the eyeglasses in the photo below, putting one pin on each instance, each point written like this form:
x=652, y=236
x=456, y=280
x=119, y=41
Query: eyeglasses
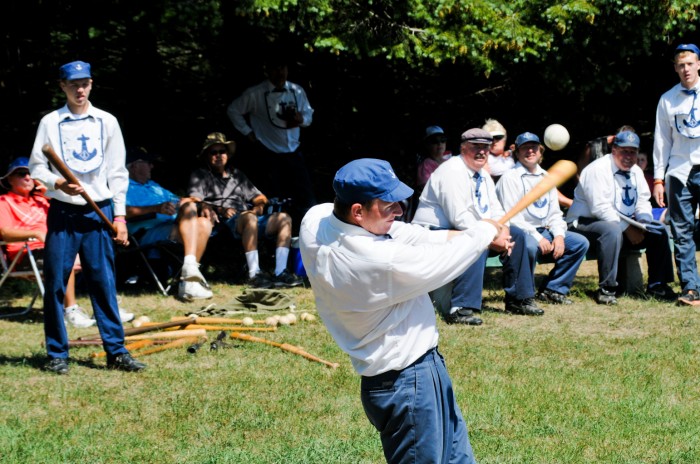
x=220, y=151
x=21, y=173
x=497, y=138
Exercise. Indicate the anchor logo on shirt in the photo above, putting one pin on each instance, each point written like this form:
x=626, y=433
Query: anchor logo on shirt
x=541, y=203
x=84, y=153
x=626, y=199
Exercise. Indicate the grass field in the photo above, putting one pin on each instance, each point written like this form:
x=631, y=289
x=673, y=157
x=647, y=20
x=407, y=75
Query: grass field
x=581, y=384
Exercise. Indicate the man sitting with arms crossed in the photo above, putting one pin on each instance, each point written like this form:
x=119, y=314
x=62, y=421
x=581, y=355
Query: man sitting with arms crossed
x=371, y=276
x=175, y=219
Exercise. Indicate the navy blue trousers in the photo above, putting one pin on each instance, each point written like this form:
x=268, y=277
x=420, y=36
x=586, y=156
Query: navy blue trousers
x=74, y=230
x=518, y=278
x=417, y=415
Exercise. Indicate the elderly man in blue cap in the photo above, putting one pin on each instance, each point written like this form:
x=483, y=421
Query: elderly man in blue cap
x=542, y=221
x=677, y=165
x=371, y=276
x=612, y=209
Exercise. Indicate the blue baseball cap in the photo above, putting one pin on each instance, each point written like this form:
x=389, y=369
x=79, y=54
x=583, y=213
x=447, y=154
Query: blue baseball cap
x=365, y=179
x=75, y=70
x=526, y=137
x=433, y=130
x=688, y=48
x=627, y=139
x=17, y=163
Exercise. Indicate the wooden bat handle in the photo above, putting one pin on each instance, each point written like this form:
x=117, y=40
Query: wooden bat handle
x=559, y=173
x=70, y=177
x=284, y=346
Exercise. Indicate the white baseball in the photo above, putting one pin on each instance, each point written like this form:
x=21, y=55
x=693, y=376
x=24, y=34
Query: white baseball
x=292, y=318
x=556, y=137
x=284, y=320
x=271, y=321
x=248, y=321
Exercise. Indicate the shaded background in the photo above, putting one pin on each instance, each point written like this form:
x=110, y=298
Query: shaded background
x=168, y=70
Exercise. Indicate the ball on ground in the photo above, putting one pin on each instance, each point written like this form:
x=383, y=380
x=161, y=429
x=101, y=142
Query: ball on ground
x=248, y=321
x=556, y=137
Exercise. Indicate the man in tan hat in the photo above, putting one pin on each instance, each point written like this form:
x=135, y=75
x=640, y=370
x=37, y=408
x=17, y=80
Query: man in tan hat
x=240, y=206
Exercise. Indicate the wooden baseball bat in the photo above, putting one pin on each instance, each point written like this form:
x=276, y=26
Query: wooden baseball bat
x=65, y=171
x=129, y=347
x=559, y=173
x=229, y=327
x=284, y=346
x=214, y=320
x=174, y=344
x=151, y=327
x=169, y=335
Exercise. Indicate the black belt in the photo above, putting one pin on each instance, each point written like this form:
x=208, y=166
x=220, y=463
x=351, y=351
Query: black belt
x=79, y=208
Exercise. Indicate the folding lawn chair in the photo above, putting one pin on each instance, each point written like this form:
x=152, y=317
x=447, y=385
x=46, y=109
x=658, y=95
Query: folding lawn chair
x=27, y=270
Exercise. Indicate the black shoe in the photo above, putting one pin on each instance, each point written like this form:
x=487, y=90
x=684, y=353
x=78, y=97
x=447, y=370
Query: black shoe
x=57, y=366
x=689, y=297
x=526, y=307
x=606, y=297
x=552, y=297
x=259, y=280
x=124, y=362
x=661, y=292
x=463, y=316
x=287, y=280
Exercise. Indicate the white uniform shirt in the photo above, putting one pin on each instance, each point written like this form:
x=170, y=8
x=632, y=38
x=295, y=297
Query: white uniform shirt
x=545, y=212
x=262, y=104
x=450, y=201
x=371, y=291
x=92, y=146
x=602, y=194
x=498, y=165
x=677, y=134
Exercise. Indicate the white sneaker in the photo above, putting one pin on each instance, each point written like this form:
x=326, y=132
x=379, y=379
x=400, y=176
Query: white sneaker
x=193, y=291
x=191, y=273
x=125, y=316
x=77, y=318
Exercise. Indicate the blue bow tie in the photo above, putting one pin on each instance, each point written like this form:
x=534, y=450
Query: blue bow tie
x=690, y=91
x=625, y=174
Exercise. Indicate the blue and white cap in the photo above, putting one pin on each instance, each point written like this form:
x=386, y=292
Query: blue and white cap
x=75, y=70
x=627, y=139
x=688, y=48
x=365, y=179
x=526, y=137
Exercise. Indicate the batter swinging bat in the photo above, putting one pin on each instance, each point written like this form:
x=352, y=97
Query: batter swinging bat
x=559, y=173
x=70, y=177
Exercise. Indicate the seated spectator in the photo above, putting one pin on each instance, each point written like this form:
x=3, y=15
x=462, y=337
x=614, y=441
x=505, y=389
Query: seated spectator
x=174, y=219
x=433, y=155
x=240, y=206
x=611, y=193
x=23, y=212
x=458, y=195
x=543, y=221
x=500, y=160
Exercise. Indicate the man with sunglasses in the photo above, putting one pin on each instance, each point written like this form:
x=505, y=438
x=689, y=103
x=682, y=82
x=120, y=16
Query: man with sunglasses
x=542, y=221
x=612, y=209
x=237, y=204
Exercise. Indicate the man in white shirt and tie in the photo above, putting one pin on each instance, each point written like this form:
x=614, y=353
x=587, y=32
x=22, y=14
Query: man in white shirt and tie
x=458, y=195
x=612, y=191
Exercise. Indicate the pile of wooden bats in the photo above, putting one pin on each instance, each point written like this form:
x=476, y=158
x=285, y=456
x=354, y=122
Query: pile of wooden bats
x=191, y=331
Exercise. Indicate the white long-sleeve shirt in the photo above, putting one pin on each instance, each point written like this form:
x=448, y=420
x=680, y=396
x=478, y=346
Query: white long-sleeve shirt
x=262, y=104
x=449, y=198
x=372, y=291
x=545, y=212
x=676, y=138
x=92, y=146
x=601, y=194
